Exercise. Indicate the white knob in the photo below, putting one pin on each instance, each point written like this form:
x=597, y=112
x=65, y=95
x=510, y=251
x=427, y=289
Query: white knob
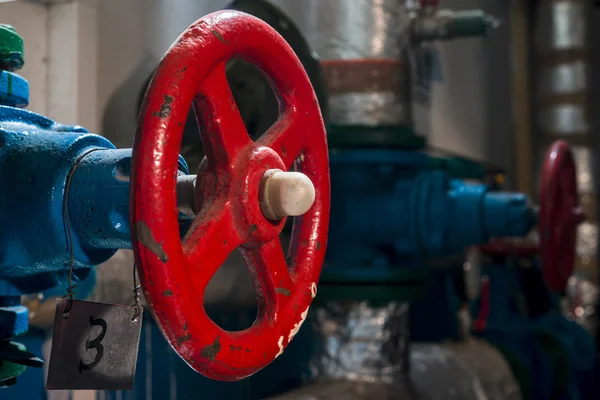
x=285, y=194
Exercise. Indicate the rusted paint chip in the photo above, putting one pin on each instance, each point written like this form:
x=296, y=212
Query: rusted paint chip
x=211, y=350
x=145, y=237
x=167, y=293
x=219, y=36
x=283, y=291
x=184, y=338
x=318, y=245
x=165, y=108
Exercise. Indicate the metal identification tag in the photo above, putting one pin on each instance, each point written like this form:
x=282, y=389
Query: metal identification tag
x=94, y=347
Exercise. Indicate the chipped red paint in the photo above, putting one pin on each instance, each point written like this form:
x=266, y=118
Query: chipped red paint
x=193, y=70
x=559, y=215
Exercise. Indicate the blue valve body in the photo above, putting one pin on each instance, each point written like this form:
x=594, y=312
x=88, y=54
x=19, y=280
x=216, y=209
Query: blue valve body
x=40, y=154
x=14, y=90
x=389, y=208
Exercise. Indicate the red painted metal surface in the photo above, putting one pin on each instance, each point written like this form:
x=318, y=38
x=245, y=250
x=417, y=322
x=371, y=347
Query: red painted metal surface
x=480, y=323
x=559, y=215
x=174, y=272
x=430, y=3
x=504, y=247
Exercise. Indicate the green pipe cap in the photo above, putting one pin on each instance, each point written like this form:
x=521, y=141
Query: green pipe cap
x=11, y=49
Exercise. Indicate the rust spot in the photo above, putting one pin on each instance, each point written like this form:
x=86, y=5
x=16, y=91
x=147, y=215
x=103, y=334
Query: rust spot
x=167, y=293
x=283, y=151
x=179, y=123
x=239, y=348
x=184, y=338
x=224, y=242
x=253, y=228
x=318, y=245
x=232, y=347
x=211, y=350
x=219, y=36
x=165, y=108
x=248, y=351
x=283, y=291
x=304, y=242
x=185, y=326
x=183, y=69
x=145, y=237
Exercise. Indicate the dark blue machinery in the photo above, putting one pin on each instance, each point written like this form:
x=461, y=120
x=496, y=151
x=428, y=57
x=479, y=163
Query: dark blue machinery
x=551, y=356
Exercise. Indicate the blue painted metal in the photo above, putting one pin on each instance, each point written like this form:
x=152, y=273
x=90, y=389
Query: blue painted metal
x=40, y=159
x=555, y=355
x=14, y=90
x=390, y=202
x=13, y=317
x=432, y=320
x=40, y=155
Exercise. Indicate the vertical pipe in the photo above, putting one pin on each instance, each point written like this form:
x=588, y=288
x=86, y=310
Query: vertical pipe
x=520, y=89
x=562, y=99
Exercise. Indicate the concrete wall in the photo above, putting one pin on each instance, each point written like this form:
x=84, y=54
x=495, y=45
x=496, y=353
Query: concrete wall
x=60, y=57
x=134, y=34
x=31, y=23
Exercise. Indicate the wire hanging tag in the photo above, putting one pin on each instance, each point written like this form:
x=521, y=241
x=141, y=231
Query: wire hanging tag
x=94, y=345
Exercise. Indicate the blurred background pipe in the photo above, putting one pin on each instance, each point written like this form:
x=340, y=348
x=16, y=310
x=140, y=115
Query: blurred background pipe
x=562, y=99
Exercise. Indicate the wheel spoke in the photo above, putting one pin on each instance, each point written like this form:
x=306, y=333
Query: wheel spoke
x=286, y=138
x=209, y=241
x=269, y=266
x=222, y=129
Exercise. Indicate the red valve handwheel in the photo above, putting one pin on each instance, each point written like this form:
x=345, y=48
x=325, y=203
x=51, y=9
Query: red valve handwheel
x=559, y=215
x=174, y=272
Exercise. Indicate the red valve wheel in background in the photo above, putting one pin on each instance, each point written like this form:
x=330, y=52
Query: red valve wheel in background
x=175, y=272
x=559, y=216
x=558, y=219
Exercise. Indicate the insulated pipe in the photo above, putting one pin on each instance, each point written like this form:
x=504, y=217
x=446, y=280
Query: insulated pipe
x=562, y=98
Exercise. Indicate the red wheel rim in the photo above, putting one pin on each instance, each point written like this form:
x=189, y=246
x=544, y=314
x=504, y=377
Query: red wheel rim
x=174, y=272
x=559, y=216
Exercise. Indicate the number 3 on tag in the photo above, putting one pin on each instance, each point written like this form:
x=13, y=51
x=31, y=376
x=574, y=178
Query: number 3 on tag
x=95, y=346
